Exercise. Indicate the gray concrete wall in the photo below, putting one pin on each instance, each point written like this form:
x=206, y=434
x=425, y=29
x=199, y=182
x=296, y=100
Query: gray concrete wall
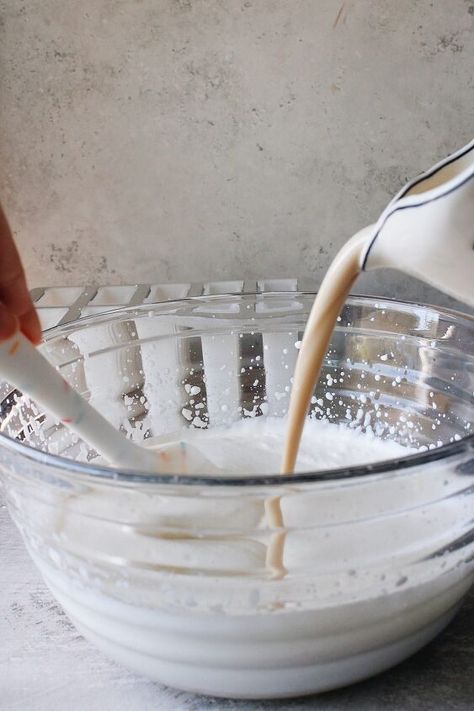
x=172, y=140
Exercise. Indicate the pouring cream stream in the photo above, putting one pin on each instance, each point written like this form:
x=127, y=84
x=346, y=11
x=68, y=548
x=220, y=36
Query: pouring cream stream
x=426, y=231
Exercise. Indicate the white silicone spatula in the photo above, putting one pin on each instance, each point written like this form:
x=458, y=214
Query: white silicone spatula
x=22, y=365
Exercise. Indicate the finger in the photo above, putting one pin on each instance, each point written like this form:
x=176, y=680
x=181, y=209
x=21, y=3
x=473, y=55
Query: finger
x=10, y=264
x=8, y=323
x=30, y=326
x=14, y=293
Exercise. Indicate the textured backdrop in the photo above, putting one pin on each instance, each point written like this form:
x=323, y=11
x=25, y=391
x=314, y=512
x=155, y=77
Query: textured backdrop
x=171, y=140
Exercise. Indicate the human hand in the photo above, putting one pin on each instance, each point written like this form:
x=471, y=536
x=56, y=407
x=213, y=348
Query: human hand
x=16, y=308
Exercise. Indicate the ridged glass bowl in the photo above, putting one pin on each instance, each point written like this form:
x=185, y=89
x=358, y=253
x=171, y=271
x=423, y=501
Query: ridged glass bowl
x=171, y=575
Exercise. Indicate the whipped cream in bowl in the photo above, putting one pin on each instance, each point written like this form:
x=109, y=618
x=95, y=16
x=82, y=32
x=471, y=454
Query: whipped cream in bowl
x=232, y=579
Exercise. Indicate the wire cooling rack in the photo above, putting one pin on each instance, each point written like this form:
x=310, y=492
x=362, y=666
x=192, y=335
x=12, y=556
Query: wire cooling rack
x=62, y=304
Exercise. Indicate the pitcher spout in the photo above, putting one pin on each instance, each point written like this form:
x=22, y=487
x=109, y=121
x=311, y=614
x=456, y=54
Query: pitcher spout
x=427, y=230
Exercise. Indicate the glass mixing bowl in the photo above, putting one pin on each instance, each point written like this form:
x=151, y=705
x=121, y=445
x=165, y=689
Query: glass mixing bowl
x=172, y=576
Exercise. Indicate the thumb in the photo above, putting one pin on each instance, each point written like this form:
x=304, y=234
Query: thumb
x=8, y=323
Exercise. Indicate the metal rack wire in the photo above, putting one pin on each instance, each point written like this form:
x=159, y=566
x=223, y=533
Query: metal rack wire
x=62, y=304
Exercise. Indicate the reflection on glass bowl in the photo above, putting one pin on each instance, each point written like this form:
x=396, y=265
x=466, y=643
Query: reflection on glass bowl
x=173, y=577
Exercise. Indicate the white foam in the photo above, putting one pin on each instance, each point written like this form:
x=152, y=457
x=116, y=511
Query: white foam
x=177, y=582
x=254, y=446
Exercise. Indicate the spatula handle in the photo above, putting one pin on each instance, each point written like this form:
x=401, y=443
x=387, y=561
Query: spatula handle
x=26, y=368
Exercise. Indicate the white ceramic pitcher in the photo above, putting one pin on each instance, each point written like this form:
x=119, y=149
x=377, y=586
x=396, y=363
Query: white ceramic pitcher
x=427, y=230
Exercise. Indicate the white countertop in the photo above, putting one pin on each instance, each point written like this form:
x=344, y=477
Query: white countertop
x=45, y=665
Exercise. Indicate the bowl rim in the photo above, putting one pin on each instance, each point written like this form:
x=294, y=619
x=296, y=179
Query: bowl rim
x=126, y=476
